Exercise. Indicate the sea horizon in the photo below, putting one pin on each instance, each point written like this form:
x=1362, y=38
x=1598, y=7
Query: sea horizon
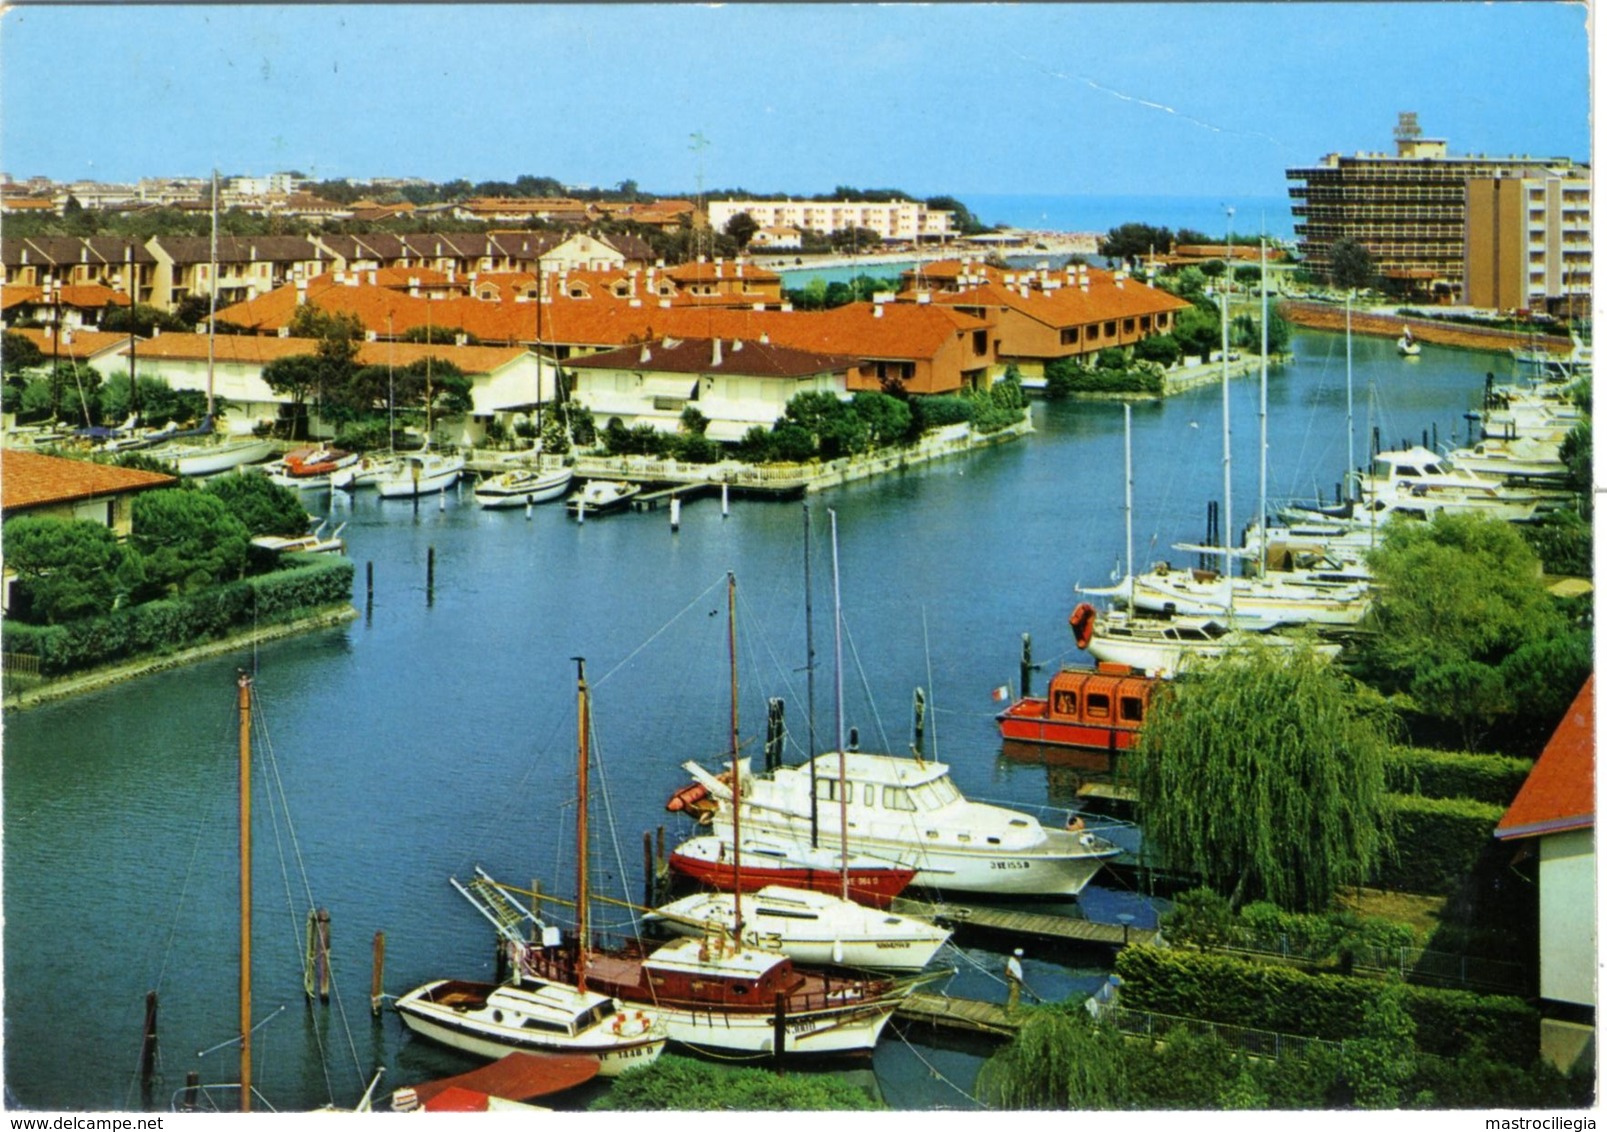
x=1087, y=213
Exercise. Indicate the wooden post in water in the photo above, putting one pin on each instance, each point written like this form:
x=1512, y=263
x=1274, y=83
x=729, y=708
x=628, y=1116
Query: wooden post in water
x=1026, y=660
x=370, y=602
x=192, y=1089
x=429, y=577
x=675, y=512
x=725, y=501
x=315, y=969
x=376, y=985
x=147, y=1055
x=649, y=871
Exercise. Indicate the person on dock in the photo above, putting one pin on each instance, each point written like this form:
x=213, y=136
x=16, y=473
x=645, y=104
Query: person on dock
x=1013, y=977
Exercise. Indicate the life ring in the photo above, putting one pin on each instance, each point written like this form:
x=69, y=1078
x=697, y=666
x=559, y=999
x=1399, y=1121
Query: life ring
x=1082, y=624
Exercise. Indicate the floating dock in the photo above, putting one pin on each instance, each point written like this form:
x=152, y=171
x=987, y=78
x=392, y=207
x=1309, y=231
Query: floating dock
x=1042, y=925
x=967, y=1014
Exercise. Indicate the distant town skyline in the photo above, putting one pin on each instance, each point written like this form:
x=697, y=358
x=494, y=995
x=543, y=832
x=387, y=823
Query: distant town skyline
x=1158, y=99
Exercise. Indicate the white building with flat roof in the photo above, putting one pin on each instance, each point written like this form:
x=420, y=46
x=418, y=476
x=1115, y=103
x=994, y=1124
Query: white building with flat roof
x=898, y=221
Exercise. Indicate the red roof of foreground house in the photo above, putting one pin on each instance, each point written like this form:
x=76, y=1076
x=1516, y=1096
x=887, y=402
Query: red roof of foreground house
x=1560, y=792
x=258, y=350
x=32, y=479
x=75, y=342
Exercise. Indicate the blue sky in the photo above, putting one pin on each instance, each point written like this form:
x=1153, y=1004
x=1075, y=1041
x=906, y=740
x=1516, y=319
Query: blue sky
x=1181, y=99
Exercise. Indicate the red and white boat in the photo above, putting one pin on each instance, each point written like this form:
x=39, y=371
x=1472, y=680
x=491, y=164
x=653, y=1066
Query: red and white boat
x=708, y=859
x=1099, y=708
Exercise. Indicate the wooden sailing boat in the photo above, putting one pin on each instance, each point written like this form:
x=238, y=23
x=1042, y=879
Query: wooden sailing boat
x=713, y=993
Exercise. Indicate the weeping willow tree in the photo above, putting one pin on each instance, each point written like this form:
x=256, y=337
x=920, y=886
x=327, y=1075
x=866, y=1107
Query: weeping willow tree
x=1059, y=1059
x=1264, y=776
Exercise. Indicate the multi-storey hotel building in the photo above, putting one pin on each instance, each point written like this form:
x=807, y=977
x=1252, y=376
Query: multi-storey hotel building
x=906, y=221
x=1411, y=210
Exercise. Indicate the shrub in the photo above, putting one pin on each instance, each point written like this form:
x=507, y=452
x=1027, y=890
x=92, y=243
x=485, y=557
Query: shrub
x=1437, y=841
x=1445, y=774
x=681, y=1084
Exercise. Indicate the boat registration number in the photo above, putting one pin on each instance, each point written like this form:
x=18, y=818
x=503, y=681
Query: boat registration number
x=1009, y=865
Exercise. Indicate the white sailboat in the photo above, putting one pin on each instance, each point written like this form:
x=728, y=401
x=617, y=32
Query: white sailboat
x=811, y=927
x=519, y=487
x=420, y=473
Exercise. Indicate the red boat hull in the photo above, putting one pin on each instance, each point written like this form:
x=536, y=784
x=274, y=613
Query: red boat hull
x=872, y=887
x=1029, y=721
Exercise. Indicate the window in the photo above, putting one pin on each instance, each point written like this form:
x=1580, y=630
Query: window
x=1098, y=705
x=1132, y=709
x=1093, y=332
x=896, y=798
x=1145, y=323
x=826, y=789
x=1110, y=329
x=1068, y=336
x=1065, y=703
x=1127, y=326
x=979, y=341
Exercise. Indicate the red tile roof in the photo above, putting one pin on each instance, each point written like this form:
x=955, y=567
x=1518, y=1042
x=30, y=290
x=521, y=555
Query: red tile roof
x=1560, y=792
x=32, y=479
x=259, y=350
x=75, y=343
x=744, y=357
x=89, y=296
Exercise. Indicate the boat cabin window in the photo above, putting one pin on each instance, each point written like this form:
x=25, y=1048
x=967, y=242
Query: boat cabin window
x=1132, y=708
x=826, y=789
x=1065, y=703
x=896, y=798
x=932, y=795
x=544, y=1025
x=1097, y=705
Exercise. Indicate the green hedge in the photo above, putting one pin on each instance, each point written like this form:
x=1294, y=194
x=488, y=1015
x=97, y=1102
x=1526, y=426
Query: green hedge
x=309, y=582
x=1494, y=779
x=1264, y=996
x=1437, y=841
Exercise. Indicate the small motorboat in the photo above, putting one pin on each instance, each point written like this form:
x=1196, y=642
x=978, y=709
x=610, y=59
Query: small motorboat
x=601, y=496
x=520, y=486
x=1407, y=345
x=366, y=472
x=315, y=542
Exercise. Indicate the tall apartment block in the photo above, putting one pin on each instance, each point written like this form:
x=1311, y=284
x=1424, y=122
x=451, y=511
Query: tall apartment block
x=1434, y=235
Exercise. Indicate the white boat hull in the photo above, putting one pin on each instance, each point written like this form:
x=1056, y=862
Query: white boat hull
x=207, y=460
x=509, y=491
x=1061, y=866
x=812, y=928
x=485, y=1033
x=429, y=480
x=851, y=1028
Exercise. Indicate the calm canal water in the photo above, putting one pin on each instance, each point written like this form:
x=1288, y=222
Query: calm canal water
x=426, y=738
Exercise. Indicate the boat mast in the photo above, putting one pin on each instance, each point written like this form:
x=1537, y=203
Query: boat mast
x=1350, y=409
x=1263, y=502
x=244, y=684
x=212, y=301
x=809, y=669
x=842, y=756
x=582, y=881
x=1127, y=453
x=736, y=771
x=1227, y=431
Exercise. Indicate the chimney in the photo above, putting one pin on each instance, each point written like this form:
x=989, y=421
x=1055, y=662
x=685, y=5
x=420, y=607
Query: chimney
x=923, y=296
x=371, y=336
x=715, y=358
x=284, y=332
x=764, y=338
x=253, y=251
x=665, y=303
x=460, y=339
x=736, y=344
x=647, y=354
x=784, y=307
x=759, y=306
x=634, y=303
x=876, y=310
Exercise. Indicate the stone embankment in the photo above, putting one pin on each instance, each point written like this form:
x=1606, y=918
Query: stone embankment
x=780, y=479
x=88, y=681
x=1388, y=324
